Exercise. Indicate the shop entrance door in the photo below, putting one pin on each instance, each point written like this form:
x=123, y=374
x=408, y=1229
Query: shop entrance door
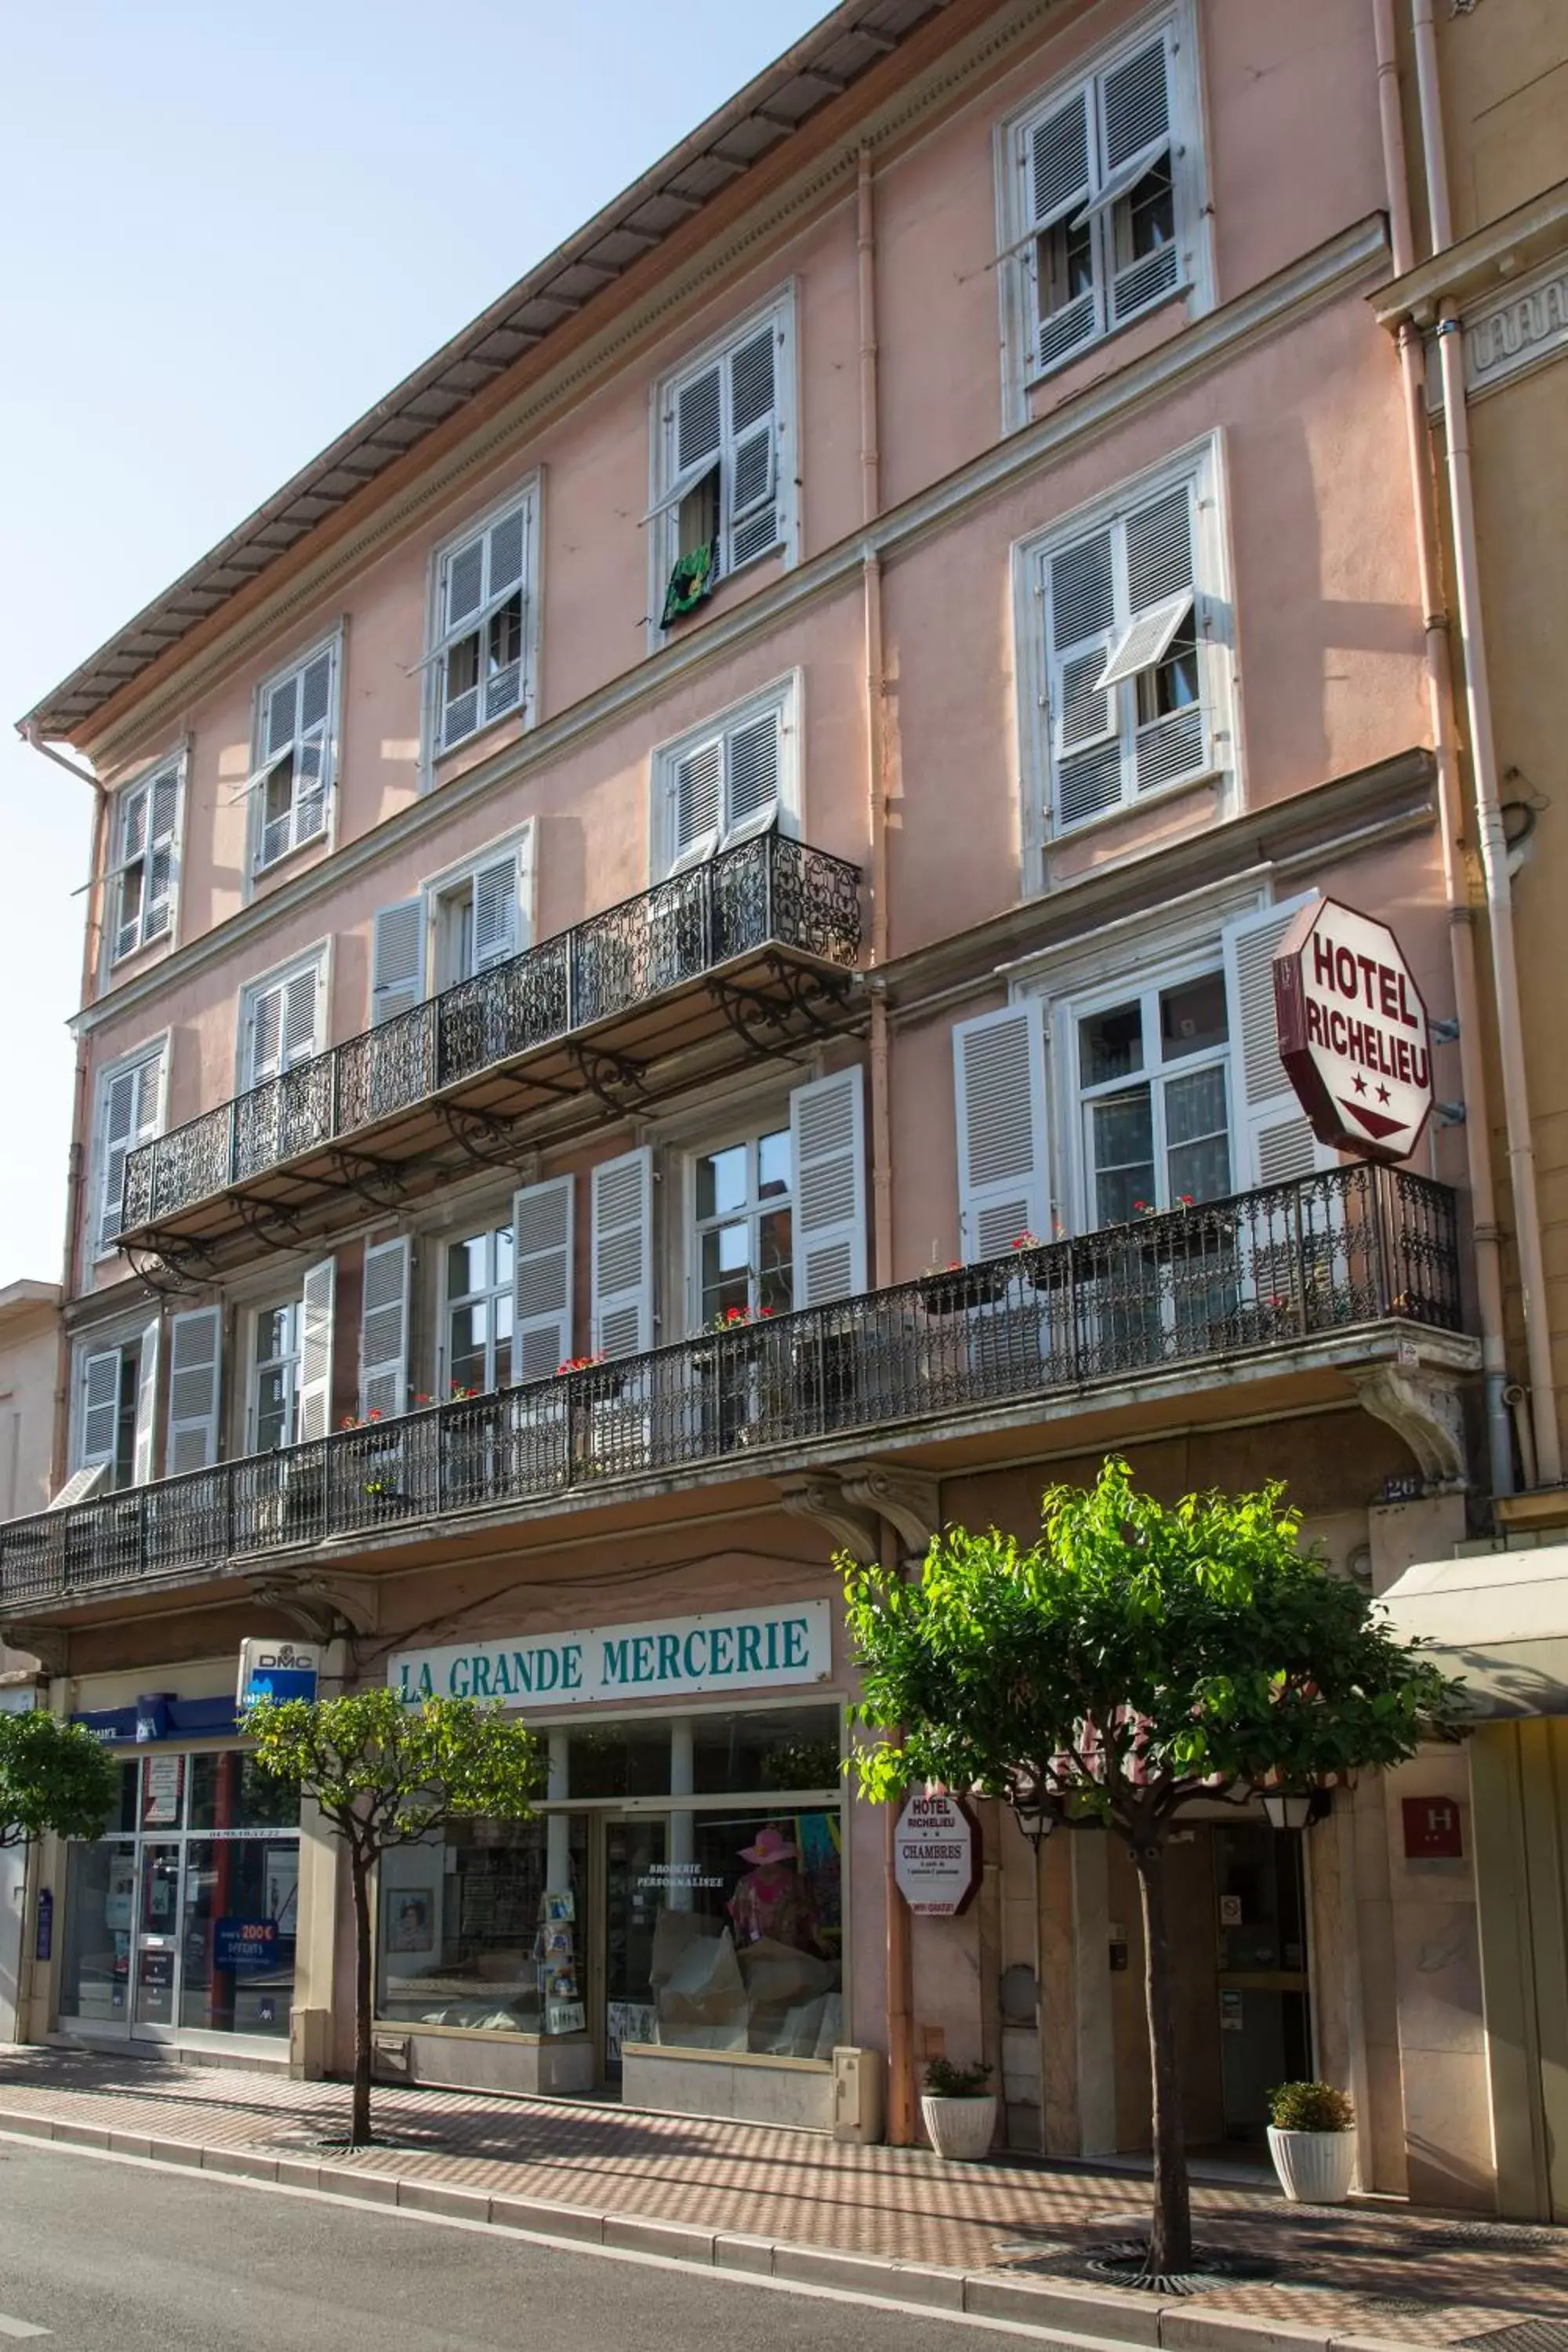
x=635, y=1851
x=155, y=1954
x=1266, y=2034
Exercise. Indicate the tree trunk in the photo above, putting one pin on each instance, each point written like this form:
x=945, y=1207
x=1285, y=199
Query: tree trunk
x=1171, y=2238
x=358, y=2119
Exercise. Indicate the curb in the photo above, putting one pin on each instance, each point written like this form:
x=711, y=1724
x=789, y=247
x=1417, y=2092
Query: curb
x=1052, y=2306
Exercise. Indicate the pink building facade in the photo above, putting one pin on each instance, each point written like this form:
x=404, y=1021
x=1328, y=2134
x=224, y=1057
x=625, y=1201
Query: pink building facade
x=680, y=983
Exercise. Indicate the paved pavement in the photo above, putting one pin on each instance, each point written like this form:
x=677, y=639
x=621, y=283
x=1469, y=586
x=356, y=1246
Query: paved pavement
x=1372, y=2269
x=106, y=2257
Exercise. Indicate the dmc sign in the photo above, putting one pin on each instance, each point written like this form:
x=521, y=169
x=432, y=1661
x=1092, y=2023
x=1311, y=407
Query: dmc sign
x=1352, y=1031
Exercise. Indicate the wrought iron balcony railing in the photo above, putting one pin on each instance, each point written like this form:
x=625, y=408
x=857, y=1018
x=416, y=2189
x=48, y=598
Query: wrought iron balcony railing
x=1352, y=1246
x=770, y=893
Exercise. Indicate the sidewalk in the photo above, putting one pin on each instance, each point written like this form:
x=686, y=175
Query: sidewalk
x=1008, y=2239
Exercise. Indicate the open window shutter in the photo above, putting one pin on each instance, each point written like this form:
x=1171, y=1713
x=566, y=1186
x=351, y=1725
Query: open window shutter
x=195, y=1341
x=463, y=596
x=699, y=423
x=1160, y=589
x=541, y=1259
x=697, y=794
x=505, y=548
x=313, y=776
x=754, y=430
x=1274, y=1138
x=623, y=1253
x=999, y=1077
x=1135, y=118
x=826, y=1129
x=279, y=733
x=397, y=960
x=316, y=1350
x=263, y=1035
x=495, y=912
x=130, y=891
x=100, y=1408
x=121, y=1104
x=1056, y=171
x=754, y=777
x=299, y=995
x=158, y=888
x=146, y=1405
x=383, y=1331
x=1080, y=593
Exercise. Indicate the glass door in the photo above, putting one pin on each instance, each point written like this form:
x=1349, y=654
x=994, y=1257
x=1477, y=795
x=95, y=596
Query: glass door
x=155, y=1959
x=636, y=1875
x=1265, y=2018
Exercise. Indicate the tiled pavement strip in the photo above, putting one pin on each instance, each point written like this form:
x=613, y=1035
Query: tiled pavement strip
x=1364, y=2270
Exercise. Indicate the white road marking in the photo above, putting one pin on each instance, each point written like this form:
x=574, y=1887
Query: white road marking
x=21, y=2327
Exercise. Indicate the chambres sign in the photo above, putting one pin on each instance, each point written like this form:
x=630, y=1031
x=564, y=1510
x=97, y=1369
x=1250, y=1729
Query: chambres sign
x=1352, y=1031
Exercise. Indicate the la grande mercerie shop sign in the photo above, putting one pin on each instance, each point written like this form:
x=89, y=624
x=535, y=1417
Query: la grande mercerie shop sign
x=1352, y=1031
x=670, y=1657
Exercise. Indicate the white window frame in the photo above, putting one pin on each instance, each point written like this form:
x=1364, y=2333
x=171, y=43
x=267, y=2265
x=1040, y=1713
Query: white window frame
x=785, y=697
x=526, y=497
x=156, y=1050
x=317, y=960
x=1201, y=467
x=254, y=1368
x=128, y=1330
x=1143, y=985
x=481, y=1224
x=747, y=1132
x=1018, y=238
x=332, y=646
x=665, y=483
x=440, y=888
x=142, y=793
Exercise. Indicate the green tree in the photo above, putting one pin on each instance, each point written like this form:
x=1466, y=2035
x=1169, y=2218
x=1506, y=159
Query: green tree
x=1137, y=1658
x=383, y=1775
x=52, y=1776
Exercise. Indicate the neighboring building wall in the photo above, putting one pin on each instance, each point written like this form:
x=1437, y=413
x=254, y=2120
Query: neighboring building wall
x=29, y=1375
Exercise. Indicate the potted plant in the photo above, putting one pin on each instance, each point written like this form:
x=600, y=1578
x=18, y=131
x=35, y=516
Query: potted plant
x=1311, y=2137
x=959, y=2112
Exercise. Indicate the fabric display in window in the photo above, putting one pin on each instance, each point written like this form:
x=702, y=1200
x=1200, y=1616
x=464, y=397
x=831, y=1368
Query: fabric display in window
x=691, y=581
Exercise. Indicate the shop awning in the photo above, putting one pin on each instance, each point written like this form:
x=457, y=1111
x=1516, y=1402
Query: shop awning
x=1500, y=1619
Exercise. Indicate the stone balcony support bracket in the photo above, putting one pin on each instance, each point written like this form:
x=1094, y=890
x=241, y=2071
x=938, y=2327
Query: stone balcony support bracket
x=1421, y=1402
x=852, y=1502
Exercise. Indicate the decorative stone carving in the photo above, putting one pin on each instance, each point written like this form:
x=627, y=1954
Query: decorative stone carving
x=1423, y=1405
x=324, y=1608
x=851, y=1503
x=51, y=1644
x=911, y=1499
x=1518, y=328
x=821, y=1496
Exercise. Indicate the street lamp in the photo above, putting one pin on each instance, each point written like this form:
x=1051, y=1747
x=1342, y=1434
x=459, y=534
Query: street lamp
x=1036, y=1811
x=1295, y=1809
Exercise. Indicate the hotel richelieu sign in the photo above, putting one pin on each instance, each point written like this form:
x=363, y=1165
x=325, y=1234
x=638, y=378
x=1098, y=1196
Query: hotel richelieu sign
x=1352, y=1031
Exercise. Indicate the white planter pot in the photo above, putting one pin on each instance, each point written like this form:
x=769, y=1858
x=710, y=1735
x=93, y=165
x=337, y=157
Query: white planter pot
x=1315, y=2168
x=961, y=2129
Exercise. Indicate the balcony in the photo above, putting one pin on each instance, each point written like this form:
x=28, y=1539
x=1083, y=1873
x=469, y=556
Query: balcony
x=1264, y=1275
x=750, y=952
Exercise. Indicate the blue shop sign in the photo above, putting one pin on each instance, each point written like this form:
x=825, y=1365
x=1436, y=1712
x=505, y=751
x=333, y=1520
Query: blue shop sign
x=248, y=1947
x=159, y=1716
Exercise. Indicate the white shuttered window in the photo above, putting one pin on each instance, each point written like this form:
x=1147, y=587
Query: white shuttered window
x=1101, y=200
x=383, y=1331
x=1129, y=658
x=723, y=466
x=827, y=1124
x=622, y=1191
x=729, y=782
x=281, y=1023
x=998, y=1080
x=130, y=1111
x=542, y=1269
x=147, y=860
x=397, y=960
x=195, y=1342
x=291, y=783
x=481, y=914
x=481, y=662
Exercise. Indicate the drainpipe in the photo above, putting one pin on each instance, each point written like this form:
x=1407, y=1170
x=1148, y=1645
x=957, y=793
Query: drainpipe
x=1492, y=842
x=1450, y=806
x=76, y=1177
x=900, y=2116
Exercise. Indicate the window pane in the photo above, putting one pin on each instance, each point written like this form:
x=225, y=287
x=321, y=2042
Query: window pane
x=459, y=1916
x=229, y=1790
x=737, y=1754
x=101, y=1886
x=236, y=1983
x=466, y=1263
x=1197, y=1145
x=506, y=634
x=466, y=1352
x=1066, y=264
x=721, y=1182
x=1124, y=1156
x=1193, y=1017
x=274, y=1334
x=773, y=1164
x=503, y=1273
x=463, y=667
x=1151, y=219
x=1110, y=1045
x=278, y=790
x=621, y=1760
x=500, y=1325
x=273, y=1416
x=726, y=1274
x=775, y=1239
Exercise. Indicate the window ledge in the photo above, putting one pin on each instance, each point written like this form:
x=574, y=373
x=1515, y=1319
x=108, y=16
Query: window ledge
x=1062, y=836
x=1037, y=378
x=275, y=865
x=523, y=711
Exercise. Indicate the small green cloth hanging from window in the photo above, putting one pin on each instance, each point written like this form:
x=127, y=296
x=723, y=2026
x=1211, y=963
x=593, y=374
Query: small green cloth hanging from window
x=691, y=581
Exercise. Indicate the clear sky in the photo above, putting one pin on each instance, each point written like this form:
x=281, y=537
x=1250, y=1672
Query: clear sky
x=224, y=233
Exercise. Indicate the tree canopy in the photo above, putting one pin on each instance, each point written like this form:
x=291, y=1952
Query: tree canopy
x=52, y=1776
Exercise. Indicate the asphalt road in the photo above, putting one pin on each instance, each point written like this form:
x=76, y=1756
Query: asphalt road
x=108, y=2257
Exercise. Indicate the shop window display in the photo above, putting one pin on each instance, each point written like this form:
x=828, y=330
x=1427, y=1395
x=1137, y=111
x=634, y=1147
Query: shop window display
x=482, y=1928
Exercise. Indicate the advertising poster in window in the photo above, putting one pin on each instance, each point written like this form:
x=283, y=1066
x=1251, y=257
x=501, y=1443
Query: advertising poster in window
x=162, y=1787
x=283, y=1887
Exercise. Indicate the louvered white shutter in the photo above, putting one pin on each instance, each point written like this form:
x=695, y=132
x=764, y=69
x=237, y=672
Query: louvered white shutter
x=397, y=960
x=623, y=1253
x=316, y=1350
x=312, y=753
x=752, y=777
x=1056, y=166
x=752, y=490
x=146, y=1405
x=697, y=803
x=699, y=425
x=301, y=993
x=1159, y=545
x=505, y=556
x=383, y=1331
x=826, y=1130
x=100, y=1408
x=1081, y=613
x=999, y=1077
x=279, y=734
x=1274, y=1138
x=161, y=874
x=462, y=603
x=1135, y=134
x=130, y=1119
x=542, y=1260
x=495, y=912
x=194, y=1352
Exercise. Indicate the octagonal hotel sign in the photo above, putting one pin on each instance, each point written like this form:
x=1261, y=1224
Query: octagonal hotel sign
x=1352, y=1031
